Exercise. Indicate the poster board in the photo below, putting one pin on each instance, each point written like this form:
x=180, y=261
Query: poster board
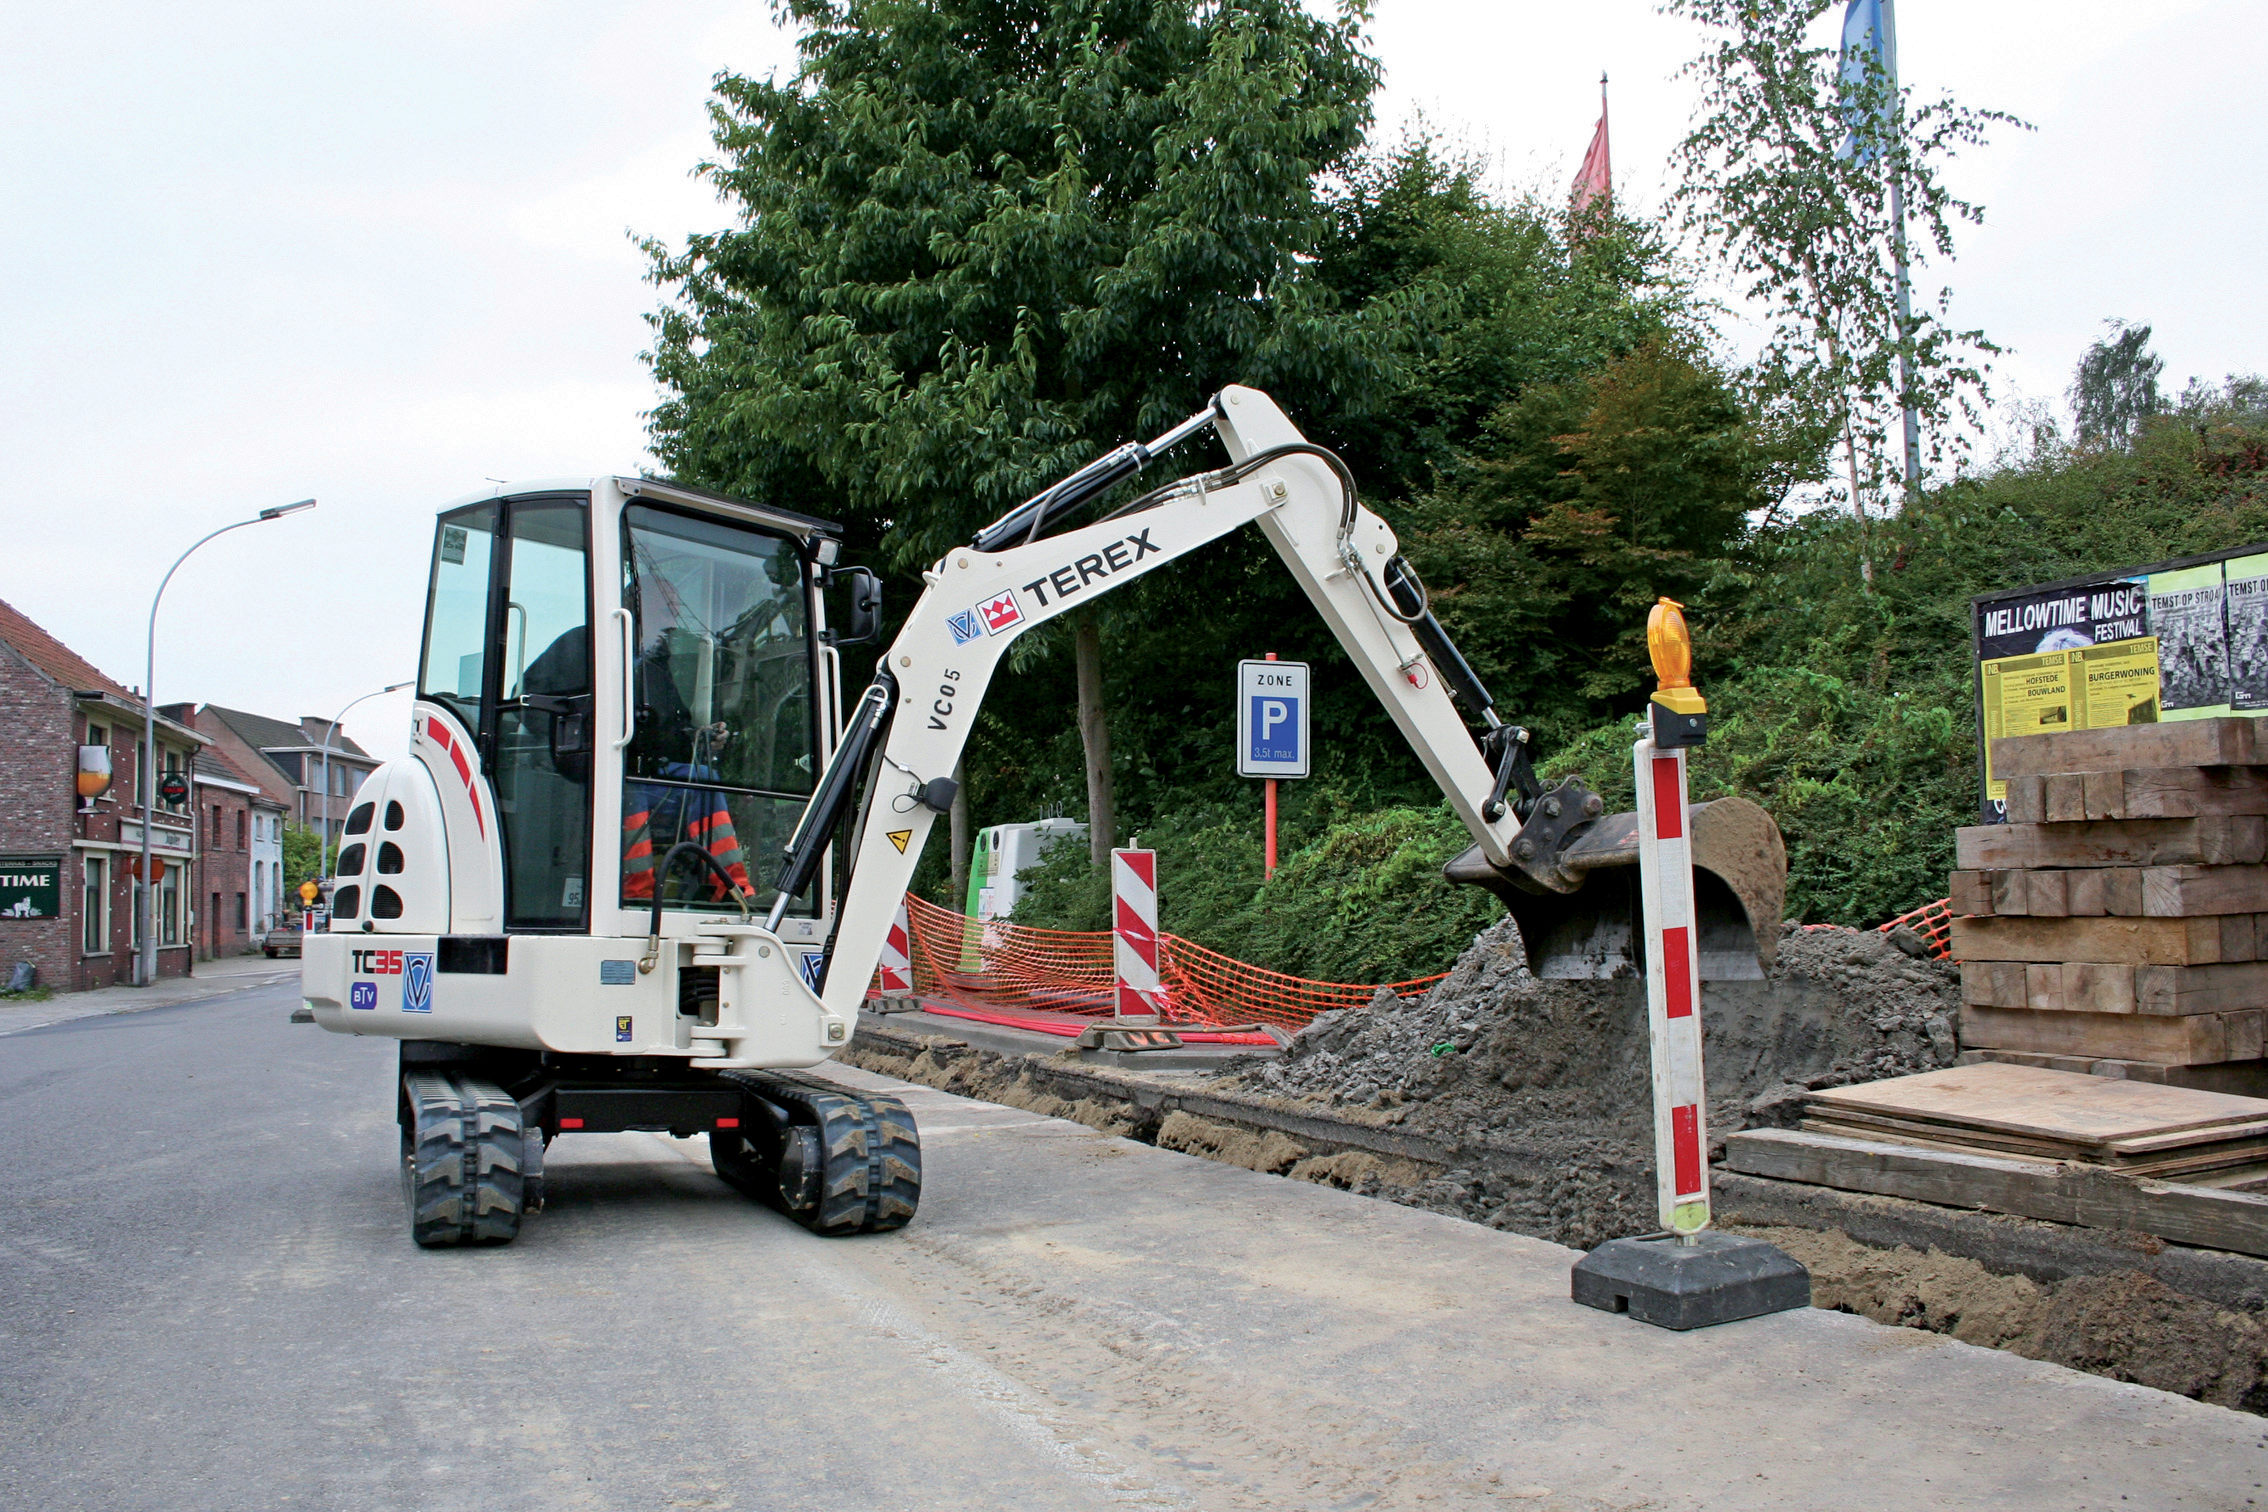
x=2186, y=639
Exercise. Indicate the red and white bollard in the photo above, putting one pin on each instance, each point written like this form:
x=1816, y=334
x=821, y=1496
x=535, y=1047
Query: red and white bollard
x=894, y=973
x=1691, y=1276
x=1673, y=989
x=1134, y=933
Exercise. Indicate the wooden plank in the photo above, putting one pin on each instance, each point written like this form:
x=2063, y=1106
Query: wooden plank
x=1969, y=892
x=2026, y=1101
x=2173, y=892
x=2011, y=891
x=1997, y=984
x=2087, y=893
x=2175, y=792
x=2182, y=1163
x=2077, y=1194
x=2027, y=800
x=2201, y=989
x=2048, y=894
x=2218, y=840
x=2191, y=1039
x=2079, y=987
x=2183, y=743
x=2211, y=939
x=2066, y=798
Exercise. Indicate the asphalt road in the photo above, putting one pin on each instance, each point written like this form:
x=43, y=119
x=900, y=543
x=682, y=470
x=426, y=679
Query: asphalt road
x=208, y=1300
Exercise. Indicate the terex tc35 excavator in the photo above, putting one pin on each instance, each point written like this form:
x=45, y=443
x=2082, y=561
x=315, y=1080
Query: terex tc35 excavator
x=627, y=690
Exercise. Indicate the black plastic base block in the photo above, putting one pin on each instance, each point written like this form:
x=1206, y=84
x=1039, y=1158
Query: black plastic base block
x=1717, y=1279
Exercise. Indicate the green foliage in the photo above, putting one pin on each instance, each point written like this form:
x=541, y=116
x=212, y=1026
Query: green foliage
x=2116, y=386
x=1849, y=712
x=982, y=241
x=303, y=858
x=1361, y=899
x=1582, y=502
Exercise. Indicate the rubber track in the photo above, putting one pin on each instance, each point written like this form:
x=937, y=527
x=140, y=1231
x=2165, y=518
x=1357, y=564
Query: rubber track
x=870, y=1181
x=461, y=1161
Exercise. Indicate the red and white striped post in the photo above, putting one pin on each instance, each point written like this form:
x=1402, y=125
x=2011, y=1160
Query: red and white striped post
x=1134, y=933
x=894, y=973
x=1673, y=990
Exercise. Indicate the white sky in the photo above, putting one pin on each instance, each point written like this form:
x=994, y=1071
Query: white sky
x=376, y=254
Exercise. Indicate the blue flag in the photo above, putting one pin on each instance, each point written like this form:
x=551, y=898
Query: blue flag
x=1870, y=46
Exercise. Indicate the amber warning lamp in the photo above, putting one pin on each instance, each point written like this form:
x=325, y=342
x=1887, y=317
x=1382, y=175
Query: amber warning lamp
x=1680, y=718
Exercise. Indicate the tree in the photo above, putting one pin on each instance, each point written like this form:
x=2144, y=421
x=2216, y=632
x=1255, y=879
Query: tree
x=2116, y=386
x=982, y=241
x=1802, y=176
x=304, y=857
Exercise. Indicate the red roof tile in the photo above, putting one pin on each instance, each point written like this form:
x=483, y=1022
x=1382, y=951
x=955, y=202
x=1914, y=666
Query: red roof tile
x=54, y=658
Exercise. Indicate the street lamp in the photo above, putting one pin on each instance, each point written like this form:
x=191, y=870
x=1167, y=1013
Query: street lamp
x=324, y=869
x=145, y=951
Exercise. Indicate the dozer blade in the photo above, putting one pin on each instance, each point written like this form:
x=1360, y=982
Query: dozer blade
x=1590, y=929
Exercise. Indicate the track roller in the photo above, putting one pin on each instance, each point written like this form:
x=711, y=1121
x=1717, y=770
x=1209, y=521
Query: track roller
x=835, y=1161
x=464, y=1153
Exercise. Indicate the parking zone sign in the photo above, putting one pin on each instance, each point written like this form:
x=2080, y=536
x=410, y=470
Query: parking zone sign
x=1271, y=719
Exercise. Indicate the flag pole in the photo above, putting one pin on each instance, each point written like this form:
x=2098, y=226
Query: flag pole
x=1889, y=55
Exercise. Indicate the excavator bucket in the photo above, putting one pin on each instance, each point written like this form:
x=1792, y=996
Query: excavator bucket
x=1576, y=899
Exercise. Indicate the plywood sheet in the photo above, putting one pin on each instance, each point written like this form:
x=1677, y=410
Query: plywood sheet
x=2026, y=1101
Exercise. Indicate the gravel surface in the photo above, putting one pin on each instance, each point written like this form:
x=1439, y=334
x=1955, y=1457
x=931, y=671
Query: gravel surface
x=1493, y=1056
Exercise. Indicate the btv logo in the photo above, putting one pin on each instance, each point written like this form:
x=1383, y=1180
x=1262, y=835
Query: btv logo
x=1001, y=612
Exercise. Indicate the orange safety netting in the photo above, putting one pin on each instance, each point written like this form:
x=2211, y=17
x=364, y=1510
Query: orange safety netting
x=1934, y=923
x=997, y=965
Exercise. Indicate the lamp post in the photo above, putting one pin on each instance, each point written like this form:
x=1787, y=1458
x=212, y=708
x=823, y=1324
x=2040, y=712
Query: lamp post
x=324, y=869
x=145, y=935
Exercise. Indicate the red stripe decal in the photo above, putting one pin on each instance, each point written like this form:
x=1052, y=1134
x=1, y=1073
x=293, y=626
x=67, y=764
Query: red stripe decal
x=1685, y=1146
x=1669, y=798
x=1144, y=865
x=1677, y=971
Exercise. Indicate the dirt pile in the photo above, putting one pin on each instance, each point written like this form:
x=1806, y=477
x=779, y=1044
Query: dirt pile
x=1551, y=1078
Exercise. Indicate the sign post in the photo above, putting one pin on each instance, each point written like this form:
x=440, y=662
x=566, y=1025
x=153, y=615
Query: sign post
x=1689, y=1275
x=1271, y=730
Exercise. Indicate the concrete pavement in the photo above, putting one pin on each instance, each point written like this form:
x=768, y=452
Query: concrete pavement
x=213, y=1303
x=213, y=979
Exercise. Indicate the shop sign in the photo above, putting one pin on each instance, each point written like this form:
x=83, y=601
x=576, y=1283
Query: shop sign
x=31, y=887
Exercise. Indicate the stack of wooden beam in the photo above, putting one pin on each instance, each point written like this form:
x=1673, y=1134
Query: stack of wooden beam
x=2118, y=923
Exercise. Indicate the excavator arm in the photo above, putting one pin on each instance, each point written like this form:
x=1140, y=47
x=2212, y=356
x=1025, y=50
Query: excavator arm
x=905, y=736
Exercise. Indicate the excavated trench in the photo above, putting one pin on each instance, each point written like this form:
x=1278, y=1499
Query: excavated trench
x=1525, y=1105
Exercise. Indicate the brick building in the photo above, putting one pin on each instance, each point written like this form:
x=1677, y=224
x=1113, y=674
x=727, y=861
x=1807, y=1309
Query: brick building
x=228, y=922
x=67, y=863
x=285, y=760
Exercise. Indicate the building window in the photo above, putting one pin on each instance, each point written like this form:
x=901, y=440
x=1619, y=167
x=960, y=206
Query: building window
x=169, y=907
x=240, y=822
x=97, y=735
x=243, y=914
x=94, y=908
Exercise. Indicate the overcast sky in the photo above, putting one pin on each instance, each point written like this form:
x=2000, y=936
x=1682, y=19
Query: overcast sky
x=377, y=254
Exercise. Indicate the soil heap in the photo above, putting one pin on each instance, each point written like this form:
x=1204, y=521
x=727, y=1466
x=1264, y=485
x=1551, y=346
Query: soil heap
x=1553, y=1077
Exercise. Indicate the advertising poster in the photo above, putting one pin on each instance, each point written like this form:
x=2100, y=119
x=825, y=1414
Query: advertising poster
x=2188, y=610
x=2071, y=658
x=2247, y=580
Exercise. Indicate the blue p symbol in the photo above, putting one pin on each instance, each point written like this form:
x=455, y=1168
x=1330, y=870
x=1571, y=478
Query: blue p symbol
x=1275, y=729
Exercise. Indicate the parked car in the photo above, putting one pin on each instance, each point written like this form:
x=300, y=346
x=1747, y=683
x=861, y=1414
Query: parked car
x=282, y=940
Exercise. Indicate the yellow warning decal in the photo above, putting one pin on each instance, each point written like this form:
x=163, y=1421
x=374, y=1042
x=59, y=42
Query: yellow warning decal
x=899, y=838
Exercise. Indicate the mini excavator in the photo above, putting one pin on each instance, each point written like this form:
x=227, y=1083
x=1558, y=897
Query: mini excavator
x=628, y=689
